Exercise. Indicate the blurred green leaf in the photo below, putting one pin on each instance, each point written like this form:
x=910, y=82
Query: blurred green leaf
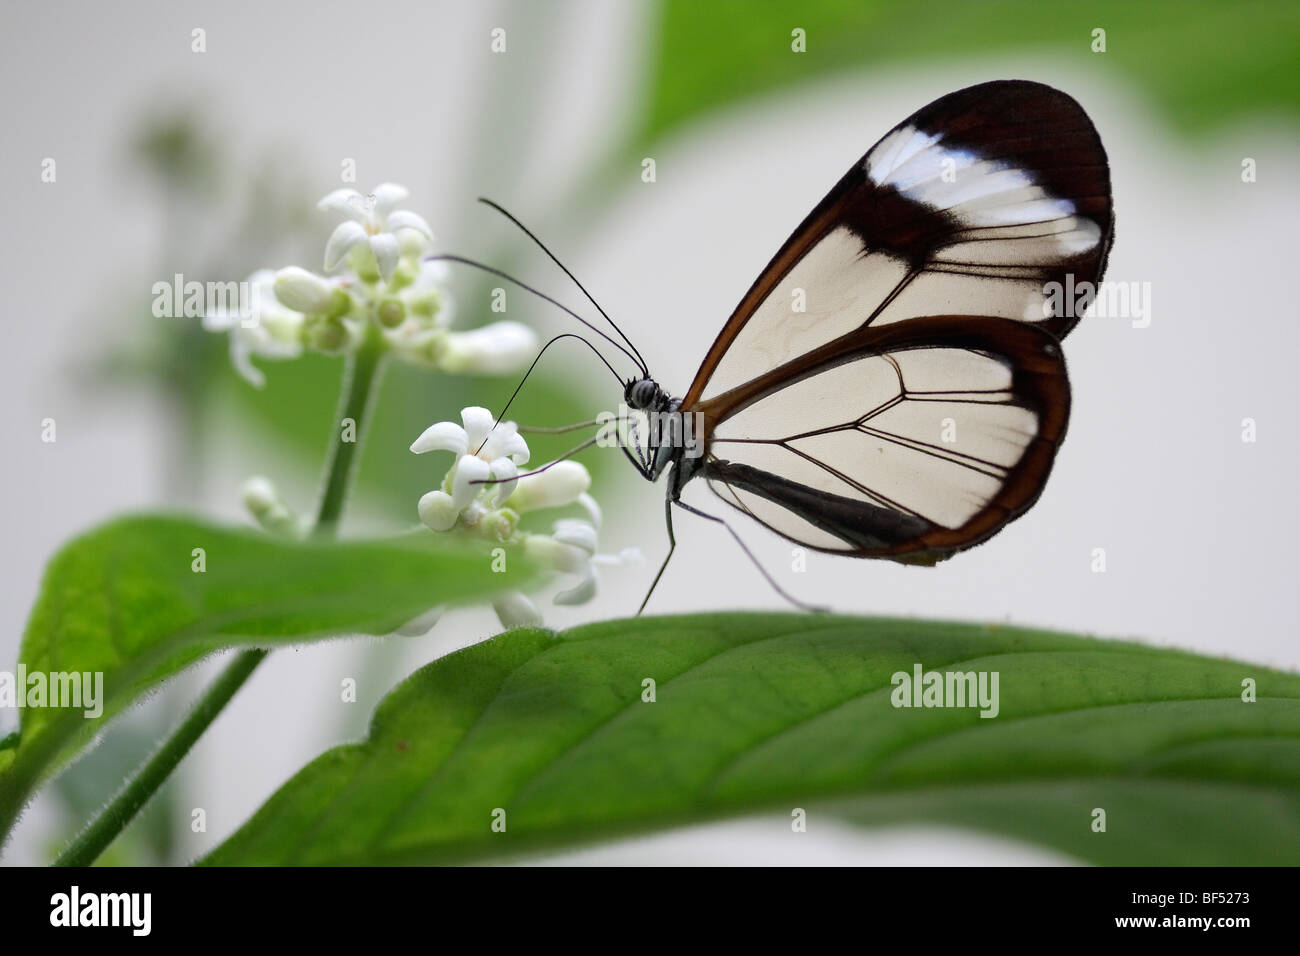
x=124, y=600
x=1204, y=63
x=765, y=713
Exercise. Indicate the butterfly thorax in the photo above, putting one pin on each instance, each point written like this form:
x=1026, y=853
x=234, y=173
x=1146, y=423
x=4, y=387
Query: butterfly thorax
x=665, y=442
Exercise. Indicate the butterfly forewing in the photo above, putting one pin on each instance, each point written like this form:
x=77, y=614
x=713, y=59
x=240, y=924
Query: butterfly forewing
x=914, y=405
x=972, y=205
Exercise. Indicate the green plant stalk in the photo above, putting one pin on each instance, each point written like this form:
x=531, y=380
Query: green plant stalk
x=357, y=394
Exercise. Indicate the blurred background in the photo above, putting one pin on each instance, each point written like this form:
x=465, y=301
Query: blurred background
x=210, y=163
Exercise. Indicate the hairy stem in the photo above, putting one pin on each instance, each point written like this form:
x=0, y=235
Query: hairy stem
x=359, y=388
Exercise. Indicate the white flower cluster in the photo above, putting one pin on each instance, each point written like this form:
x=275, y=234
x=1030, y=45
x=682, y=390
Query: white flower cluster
x=464, y=502
x=378, y=280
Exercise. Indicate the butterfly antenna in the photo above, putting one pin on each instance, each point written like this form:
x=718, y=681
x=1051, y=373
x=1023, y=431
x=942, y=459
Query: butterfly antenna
x=519, y=387
x=445, y=257
x=590, y=298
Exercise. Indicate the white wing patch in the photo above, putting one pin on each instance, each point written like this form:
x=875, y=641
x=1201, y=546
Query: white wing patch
x=980, y=193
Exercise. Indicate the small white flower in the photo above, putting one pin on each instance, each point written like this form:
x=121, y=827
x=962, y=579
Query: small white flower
x=483, y=453
x=273, y=331
x=375, y=223
x=491, y=510
x=494, y=349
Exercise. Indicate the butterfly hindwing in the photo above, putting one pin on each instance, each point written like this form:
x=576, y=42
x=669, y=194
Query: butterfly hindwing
x=913, y=442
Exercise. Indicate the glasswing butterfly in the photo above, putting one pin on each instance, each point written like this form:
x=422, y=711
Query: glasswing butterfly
x=914, y=405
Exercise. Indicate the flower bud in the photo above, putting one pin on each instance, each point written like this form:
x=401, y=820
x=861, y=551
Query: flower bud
x=438, y=511
x=304, y=291
x=268, y=510
x=411, y=242
x=500, y=524
x=363, y=263
x=327, y=335
x=405, y=273
x=560, y=484
x=391, y=312
x=556, y=554
x=426, y=304
x=494, y=349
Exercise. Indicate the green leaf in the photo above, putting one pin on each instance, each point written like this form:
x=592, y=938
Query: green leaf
x=766, y=713
x=126, y=601
x=713, y=54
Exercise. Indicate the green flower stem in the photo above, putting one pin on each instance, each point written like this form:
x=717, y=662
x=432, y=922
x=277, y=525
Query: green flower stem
x=359, y=385
x=112, y=820
x=359, y=388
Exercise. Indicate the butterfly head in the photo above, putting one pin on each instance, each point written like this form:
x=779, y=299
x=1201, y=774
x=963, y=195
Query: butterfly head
x=645, y=395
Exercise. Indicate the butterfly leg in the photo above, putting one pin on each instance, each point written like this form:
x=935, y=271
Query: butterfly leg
x=672, y=546
x=802, y=605
x=558, y=429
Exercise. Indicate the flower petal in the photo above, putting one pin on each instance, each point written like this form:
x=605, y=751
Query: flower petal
x=240, y=359
x=438, y=511
x=444, y=436
x=341, y=241
x=387, y=252
x=468, y=471
x=387, y=195
x=592, y=507
x=423, y=624
x=516, y=610
x=478, y=422
x=582, y=592
x=580, y=534
x=405, y=219
x=347, y=201
x=498, y=440
x=504, y=470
